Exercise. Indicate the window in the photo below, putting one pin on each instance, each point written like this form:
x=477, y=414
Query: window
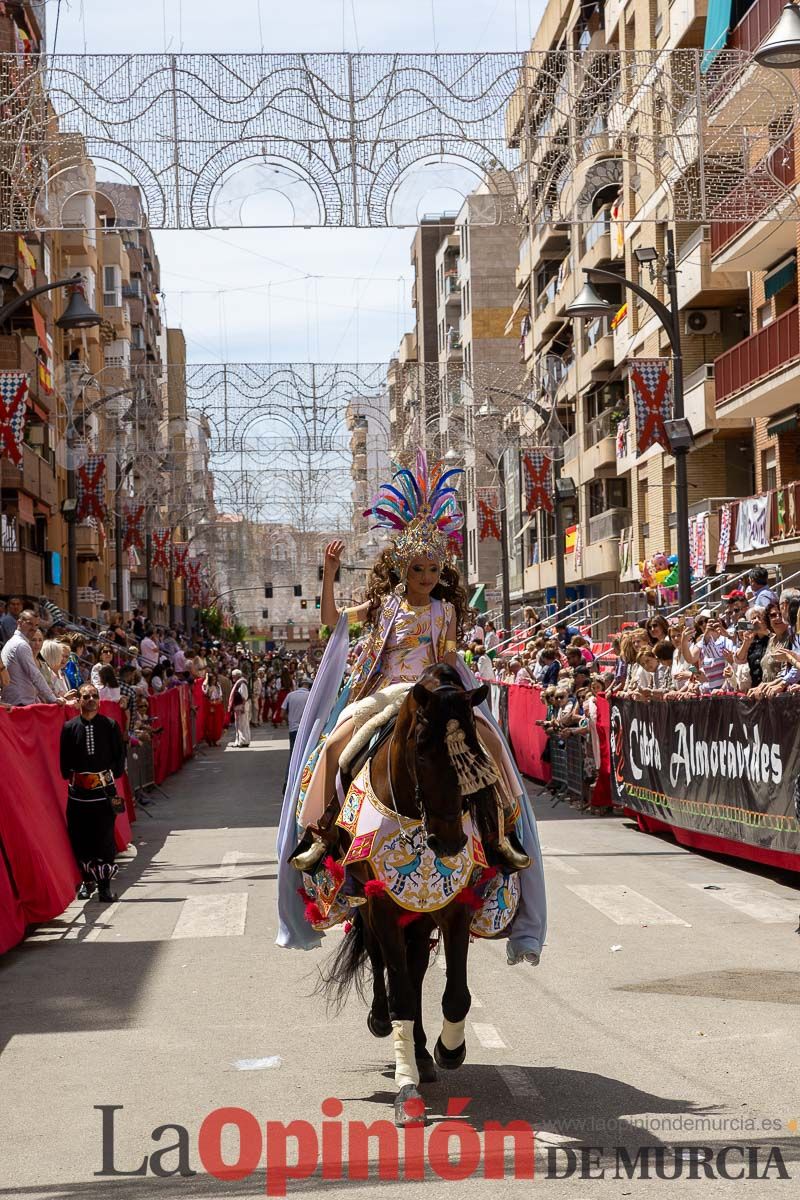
x=770, y=469
x=112, y=287
x=137, y=337
x=764, y=315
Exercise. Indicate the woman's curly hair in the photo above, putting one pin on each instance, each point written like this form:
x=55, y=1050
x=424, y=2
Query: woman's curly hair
x=384, y=579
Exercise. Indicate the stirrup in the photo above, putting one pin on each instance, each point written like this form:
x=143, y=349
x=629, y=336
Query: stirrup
x=310, y=858
x=516, y=860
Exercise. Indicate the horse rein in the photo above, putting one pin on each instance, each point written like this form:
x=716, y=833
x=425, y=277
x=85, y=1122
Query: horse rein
x=417, y=797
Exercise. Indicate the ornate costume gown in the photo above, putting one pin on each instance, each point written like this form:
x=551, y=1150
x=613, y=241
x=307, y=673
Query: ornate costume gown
x=404, y=642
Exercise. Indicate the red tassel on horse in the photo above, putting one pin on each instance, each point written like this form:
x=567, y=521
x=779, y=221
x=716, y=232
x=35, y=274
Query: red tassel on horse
x=406, y=918
x=313, y=914
x=471, y=898
x=334, y=869
x=374, y=887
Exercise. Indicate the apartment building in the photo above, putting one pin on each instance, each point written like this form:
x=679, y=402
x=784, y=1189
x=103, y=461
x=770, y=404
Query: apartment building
x=367, y=419
x=598, y=214
x=475, y=293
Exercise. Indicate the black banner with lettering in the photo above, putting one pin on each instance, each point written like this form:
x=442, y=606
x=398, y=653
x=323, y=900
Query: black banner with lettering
x=725, y=767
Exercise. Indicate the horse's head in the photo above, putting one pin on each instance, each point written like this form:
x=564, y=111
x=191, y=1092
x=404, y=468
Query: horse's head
x=442, y=709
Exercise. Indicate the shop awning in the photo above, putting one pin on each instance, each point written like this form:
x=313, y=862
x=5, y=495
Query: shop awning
x=478, y=600
x=718, y=23
x=781, y=275
x=784, y=422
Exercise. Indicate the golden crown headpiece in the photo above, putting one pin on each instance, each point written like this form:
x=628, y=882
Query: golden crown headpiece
x=421, y=508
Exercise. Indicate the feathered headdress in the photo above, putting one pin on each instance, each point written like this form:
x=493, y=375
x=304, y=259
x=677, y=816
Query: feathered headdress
x=420, y=507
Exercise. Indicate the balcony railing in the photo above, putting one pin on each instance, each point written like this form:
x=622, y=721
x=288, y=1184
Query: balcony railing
x=572, y=447
x=758, y=356
x=603, y=426
x=754, y=26
x=762, y=188
x=596, y=329
x=547, y=295
x=599, y=227
x=608, y=524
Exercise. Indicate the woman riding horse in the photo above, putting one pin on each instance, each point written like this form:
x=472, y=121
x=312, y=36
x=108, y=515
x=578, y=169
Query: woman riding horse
x=415, y=609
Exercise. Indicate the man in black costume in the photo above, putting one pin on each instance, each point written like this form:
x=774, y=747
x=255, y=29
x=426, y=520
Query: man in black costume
x=92, y=756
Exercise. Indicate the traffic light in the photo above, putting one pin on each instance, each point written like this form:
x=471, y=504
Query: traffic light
x=317, y=601
x=268, y=591
x=304, y=604
x=298, y=589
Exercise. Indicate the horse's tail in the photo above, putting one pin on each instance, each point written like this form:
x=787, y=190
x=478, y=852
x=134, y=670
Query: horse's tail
x=346, y=968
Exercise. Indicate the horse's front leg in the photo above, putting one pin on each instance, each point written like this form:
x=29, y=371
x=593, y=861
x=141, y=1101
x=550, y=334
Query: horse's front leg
x=451, y=1050
x=378, y=1020
x=418, y=953
x=383, y=918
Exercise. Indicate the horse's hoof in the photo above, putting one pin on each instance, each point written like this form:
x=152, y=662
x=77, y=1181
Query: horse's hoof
x=377, y=1027
x=449, y=1060
x=409, y=1107
x=427, y=1071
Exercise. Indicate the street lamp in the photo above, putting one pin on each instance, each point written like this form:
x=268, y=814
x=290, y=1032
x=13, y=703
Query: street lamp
x=589, y=304
x=780, y=49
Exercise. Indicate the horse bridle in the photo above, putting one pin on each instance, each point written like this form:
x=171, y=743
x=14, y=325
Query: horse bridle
x=406, y=838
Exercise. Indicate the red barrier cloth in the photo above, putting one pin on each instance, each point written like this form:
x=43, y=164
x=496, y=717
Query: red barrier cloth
x=601, y=793
x=123, y=834
x=168, y=754
x=12, y=921
x=201, y=711
x=33, y=827
x=528, y=740
x=185, y=703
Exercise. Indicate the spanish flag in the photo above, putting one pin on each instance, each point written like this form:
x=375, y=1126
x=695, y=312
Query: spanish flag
x=619, y=315
x=570, y=537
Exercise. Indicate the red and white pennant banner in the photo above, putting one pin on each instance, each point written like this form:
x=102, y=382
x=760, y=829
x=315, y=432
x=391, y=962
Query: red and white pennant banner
x=488, y=499
x=180, y=558
x=91, y=488
x=162, y=556
x=13, y=391
x=538, y=471
x=132, y=525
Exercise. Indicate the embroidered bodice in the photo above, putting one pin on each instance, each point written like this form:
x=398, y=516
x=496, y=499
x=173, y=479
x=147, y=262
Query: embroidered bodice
x=409, y=646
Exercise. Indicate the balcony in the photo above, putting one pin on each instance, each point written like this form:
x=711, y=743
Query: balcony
x=687, y=19
x=612, y=17
x=23, y=572
x=596, y=243
x=87, y=540
x=597, y=349
x=766, y=194
x=760, y=376
x=737, y=95
x=608, y=524
x=600, y=445
x=34, y=476
x=703, y=282
x=550, y=235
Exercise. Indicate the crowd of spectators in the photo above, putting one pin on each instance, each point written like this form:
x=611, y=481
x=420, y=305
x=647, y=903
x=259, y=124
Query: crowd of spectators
x=45, y=659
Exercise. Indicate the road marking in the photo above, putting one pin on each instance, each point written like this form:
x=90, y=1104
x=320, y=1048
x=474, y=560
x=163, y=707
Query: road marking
x=763, y=906
x=559, y=865
x=257, y=1064
x=212, y=916
x=518, y=1081
x=488, y=1037
x=104, y=920
x=623, y=905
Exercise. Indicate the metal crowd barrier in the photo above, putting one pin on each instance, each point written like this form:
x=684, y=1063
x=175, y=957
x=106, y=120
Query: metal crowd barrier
x=566, y=763
x=141, y=771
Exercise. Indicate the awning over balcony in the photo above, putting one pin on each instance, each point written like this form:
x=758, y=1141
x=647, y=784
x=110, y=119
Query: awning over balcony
x=780, y=276
x=718, y=23
x=478, y=599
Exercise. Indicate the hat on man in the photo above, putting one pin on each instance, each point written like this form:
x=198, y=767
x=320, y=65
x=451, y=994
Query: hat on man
x=734, y=594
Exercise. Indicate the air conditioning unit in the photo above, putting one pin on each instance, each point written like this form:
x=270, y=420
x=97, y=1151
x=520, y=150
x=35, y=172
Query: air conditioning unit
x=701, y=321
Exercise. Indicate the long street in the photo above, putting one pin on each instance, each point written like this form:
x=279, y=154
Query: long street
x=663, y=996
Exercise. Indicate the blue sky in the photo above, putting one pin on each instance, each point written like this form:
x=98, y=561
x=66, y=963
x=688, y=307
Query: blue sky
x=289, y=294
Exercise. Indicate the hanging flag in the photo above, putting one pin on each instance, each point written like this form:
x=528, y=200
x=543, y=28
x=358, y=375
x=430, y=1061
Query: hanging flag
x=618, y=219
x=132, y=525
x=27, y=256
x=538, y=470
x=724, y=546
x=91, y=488
x=570, y=537
x=652, y=397
x=180, y=558
x=578, y=548
x=488, y=499
x=619, y=316
x=13, y=390
x=752, y=524
x=161, y=548
x=193, y=581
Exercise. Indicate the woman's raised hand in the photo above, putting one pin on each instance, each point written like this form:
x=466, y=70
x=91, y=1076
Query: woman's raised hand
x=333, y=555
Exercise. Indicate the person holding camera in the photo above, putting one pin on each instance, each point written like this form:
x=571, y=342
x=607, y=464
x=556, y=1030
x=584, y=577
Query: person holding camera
x=753, y=635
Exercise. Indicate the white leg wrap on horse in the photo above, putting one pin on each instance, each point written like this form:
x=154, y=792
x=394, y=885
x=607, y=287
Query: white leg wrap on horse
x=405, y=1068
x=452, y=1034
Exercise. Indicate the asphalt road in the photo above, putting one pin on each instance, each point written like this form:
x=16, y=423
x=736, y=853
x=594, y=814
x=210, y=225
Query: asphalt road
x=659, y=1017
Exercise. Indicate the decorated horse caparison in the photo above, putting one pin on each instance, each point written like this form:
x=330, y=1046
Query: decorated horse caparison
x=404, y=813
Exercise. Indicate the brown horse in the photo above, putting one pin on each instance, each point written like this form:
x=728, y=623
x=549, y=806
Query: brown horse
x=412, y=773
